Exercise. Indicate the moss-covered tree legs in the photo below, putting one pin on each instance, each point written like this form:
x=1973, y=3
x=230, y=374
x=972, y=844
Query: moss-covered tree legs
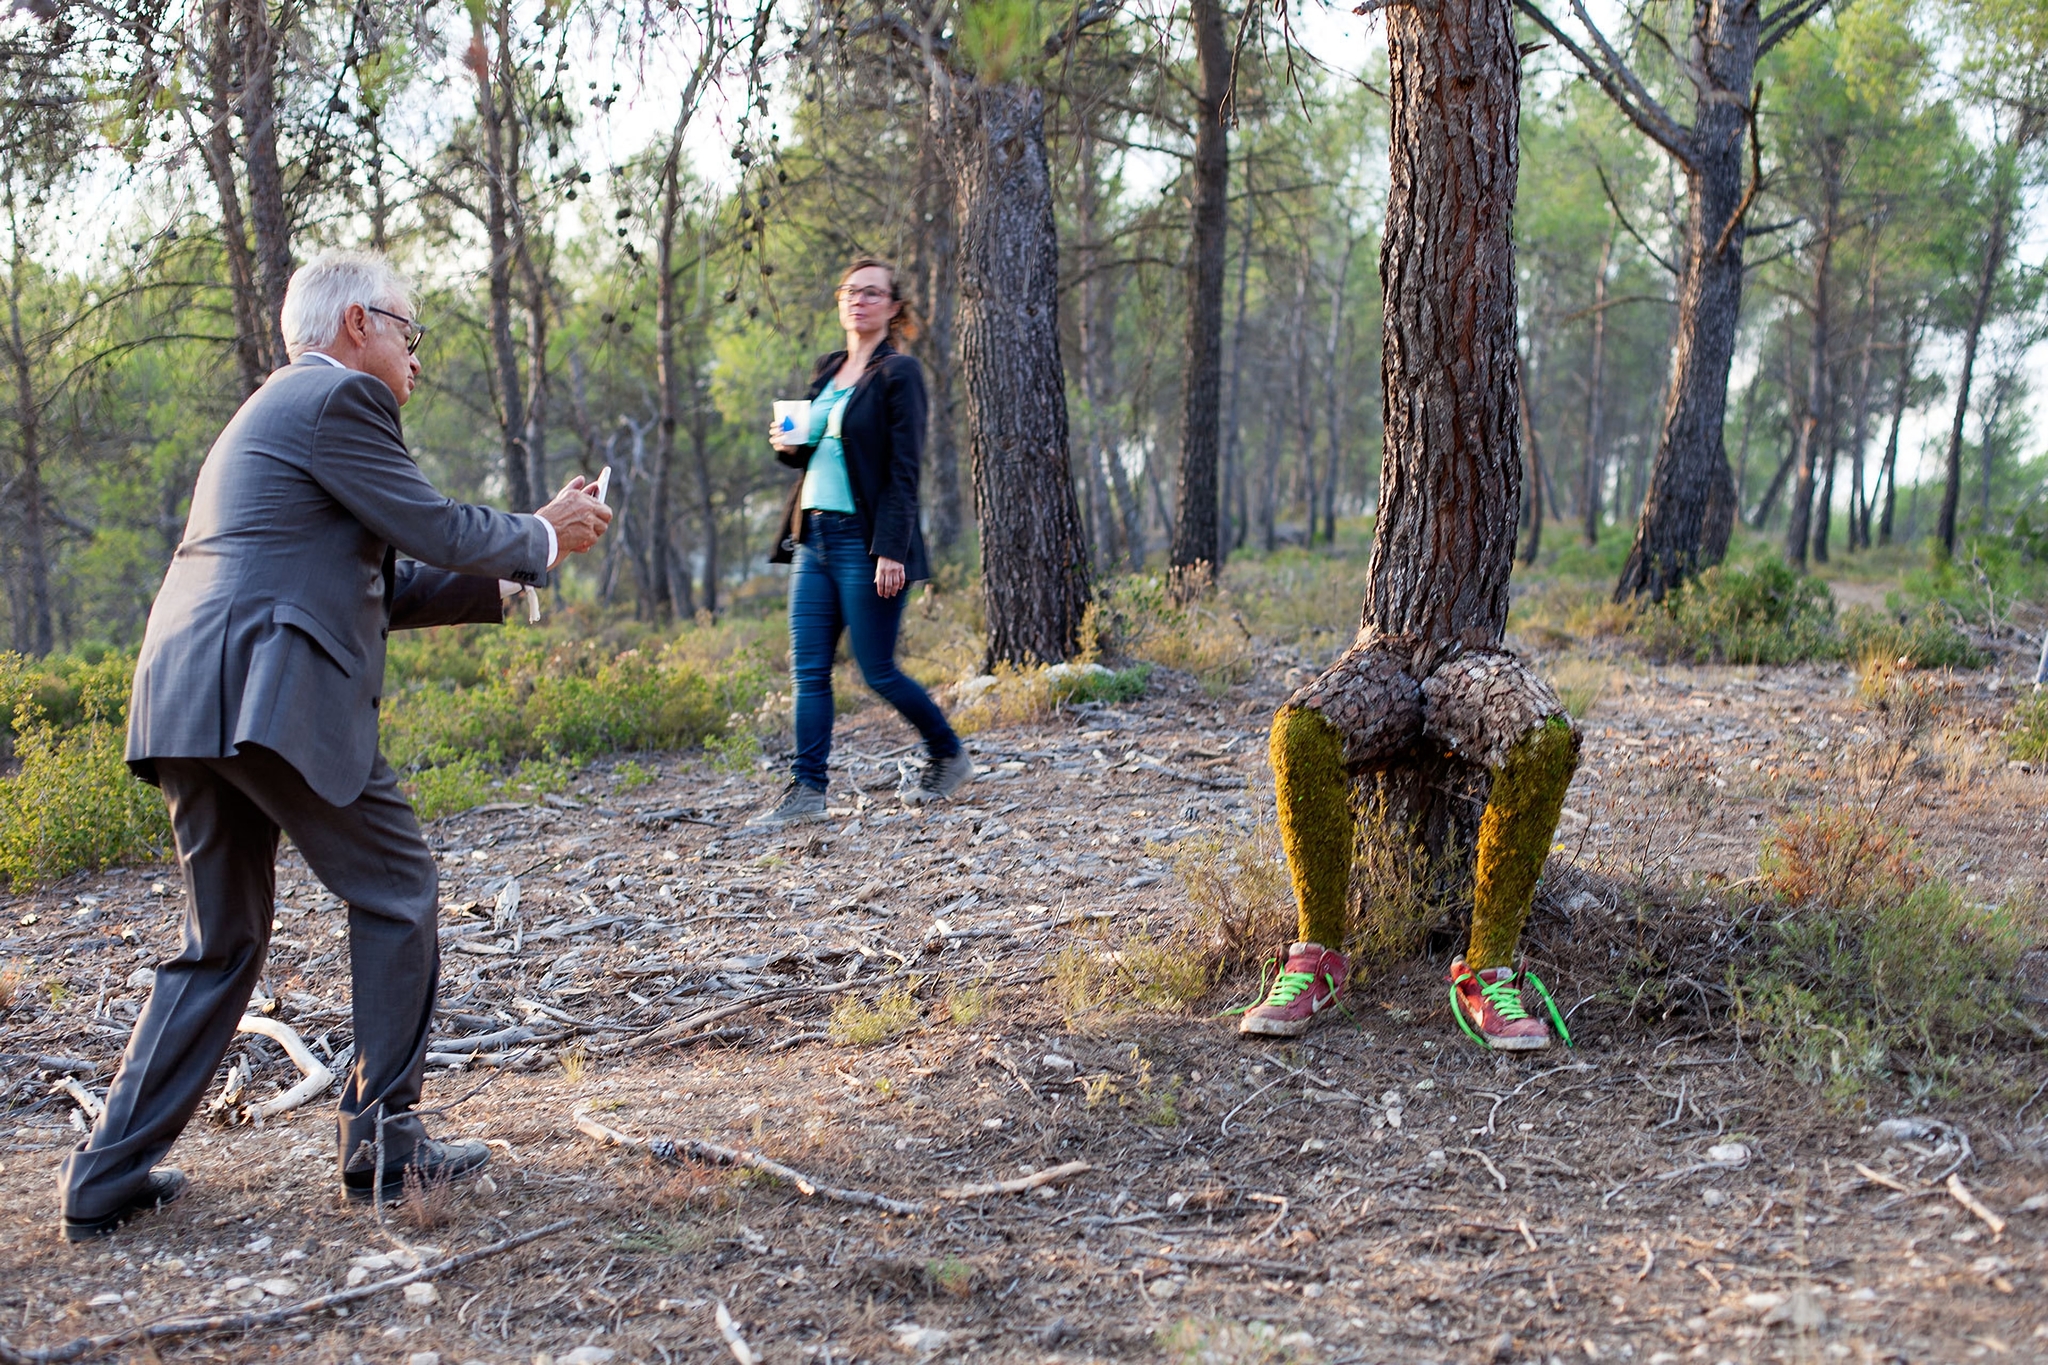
x=1312, y=788
x=1514, y=838
x=1361, y=711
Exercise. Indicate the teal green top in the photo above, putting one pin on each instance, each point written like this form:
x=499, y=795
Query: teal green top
x=826, y=488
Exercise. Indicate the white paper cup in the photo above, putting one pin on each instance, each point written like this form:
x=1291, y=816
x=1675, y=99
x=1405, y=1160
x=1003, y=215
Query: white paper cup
x=793, y=420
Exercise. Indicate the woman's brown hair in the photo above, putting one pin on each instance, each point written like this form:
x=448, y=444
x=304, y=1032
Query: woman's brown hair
x=906, y=326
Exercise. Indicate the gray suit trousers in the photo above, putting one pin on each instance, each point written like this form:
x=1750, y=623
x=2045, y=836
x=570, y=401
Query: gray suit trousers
x=226, y=814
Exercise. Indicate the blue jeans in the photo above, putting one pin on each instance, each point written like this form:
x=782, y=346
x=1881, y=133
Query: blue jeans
x=832, y=588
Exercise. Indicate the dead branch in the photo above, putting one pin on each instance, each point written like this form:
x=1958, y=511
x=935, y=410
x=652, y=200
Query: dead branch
x=81, y=1348
x=676, y=1028
x=669, y=1151
x=1961, y=1193
x=1019, y=1185
x=735, y=1342
x=318, y=1075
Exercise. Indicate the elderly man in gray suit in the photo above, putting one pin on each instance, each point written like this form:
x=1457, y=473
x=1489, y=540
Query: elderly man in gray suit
x=255, y=709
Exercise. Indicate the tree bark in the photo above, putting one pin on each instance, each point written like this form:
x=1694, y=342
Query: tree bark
x=1197, y=519
x=1034, y=555
x=36, y=635
x=217, y=149
x=2004, y=195
x=941, y=289
x=1902, y=391
x=1333, y=397
x=1819, y=410
x=1533, y=489
x=500, y=185
x=1596, y=399
x=1232, y=518
x=1096, y=331
x=1450, y=481
x=260, y=45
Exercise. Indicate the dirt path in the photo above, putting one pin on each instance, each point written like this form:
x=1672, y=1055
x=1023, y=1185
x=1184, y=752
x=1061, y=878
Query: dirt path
x=1381, y=1193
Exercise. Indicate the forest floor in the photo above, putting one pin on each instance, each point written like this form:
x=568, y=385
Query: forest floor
x=1381, y=1192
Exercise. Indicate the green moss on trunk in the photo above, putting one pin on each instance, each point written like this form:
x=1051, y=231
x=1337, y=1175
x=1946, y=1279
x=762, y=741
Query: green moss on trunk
x=1514, y=837
x=1312, y=787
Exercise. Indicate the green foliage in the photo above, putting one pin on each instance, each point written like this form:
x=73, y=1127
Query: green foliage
x=1872, y=967
x=1928, y=640
x=1756, y=613
x=70, y=802
x=855, y=1024
x=2026, y=728
x=1001, y=40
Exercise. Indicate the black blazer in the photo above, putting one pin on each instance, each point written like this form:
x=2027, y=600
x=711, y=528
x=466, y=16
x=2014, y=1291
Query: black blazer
x=882, y=432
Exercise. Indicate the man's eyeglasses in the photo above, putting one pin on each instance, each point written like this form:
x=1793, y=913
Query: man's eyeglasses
x=415, y=332
x=869, y=294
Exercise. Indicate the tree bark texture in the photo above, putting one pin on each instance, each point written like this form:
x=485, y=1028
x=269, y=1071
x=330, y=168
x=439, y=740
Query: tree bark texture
x=1197, y=516
x=1676, y=533
x=1901, y=394
x=1596, y=401
x=1034, y=552
x=1450, y=480
x=500, y=184
x=260, y=47
x=1816, y=421
x=217, y=149
x=1992, y=263
x=941, y=289
x=35, y=634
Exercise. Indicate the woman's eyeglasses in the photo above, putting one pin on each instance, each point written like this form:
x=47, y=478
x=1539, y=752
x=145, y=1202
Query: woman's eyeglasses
x=867, y=294
x=415, y=332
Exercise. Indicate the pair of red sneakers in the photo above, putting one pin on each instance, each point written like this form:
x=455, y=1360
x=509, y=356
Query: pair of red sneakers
x=1487, y=1003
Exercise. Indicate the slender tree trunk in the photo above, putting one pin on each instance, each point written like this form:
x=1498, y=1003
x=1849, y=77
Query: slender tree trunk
x=1815, y=420
x=1596, y=396
x=536, y=441
x=667, y=383
x=1902, y=390
x=1859, y=423
x=942, y=439
x=2005, y=192
x=1196, y=521
x=217, y=149
x=1096, y=330
x=1333, y=396
x=39, y=636
x=1533, y=490
x=1231, y=520
x=499, y=188
x=1269, y=478
x=260, y=46
x=1034, y=554
x=1688, y=509
x=707, y=500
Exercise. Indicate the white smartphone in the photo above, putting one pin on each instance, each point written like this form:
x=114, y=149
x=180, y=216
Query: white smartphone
x=603, y=484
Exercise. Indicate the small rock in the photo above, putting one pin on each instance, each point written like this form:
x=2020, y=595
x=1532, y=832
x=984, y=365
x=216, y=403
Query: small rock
x=1314, y=1145
x=1312, y=1291
x=1801, y=1311
x=2033, y=1203
x=1762, y=1302
x=422, y=1294
x=1425, y=1085
x=1713, y=1198
x=278, y=1288
x=1162, y=1289
x=587, y=1355
x=234, y=1282
x=373, y=1261
x=424, y=1358
x=1052, y=1061
x=248, y=1296
x=258, y=1246
x=1897, y=1129
x=1502, y=1347
x=107, y=1300
x=358, y=1275
x=1296, y=1341
x=916, y=1340
x=142, y=978
x=1728, y=1154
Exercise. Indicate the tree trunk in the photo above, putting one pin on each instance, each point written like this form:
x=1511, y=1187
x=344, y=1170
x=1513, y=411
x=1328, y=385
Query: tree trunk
x=942, y=440
x=667, y=384
x=536, y=440
x=1034, y=555
x=1533, y=490
x=1677, y=533
x=38, y=636
x=2005, y=191
x=1333, y=397
x=1096, y=330
x=1231, y=519
x=500, y=186
x=217, y=149
x=1859, y=421
x=707, y=498
x=1813, y=436
x=1596, y=399
x=1196, y=518
x=1901, y=395
x=260, y=46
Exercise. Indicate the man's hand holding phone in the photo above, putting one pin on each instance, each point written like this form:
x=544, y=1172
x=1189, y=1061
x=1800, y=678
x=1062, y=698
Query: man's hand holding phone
x=578, y=514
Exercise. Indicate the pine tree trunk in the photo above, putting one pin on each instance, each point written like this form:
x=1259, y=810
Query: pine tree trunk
x=1231, y=519
x=1992, y=263
x=1196, y=517
x=1817, y=417
x=217, y=149
x=1596, y=400
x=1533, y=499
x=260, y=45
x=1677, y=532
x=941, y=356
x=35, y=635
x=536, y=385
x=1034, y=554
x=498, y=208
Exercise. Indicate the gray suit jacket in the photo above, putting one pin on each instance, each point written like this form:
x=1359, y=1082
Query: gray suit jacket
x=269, y=628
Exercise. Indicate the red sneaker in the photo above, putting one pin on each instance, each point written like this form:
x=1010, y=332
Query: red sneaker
x=1488, y=1007
x=1307, y=985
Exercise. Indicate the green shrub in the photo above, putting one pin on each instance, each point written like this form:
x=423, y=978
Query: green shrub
x=1929, y=640
x=71, y=802
x=2026, y=728
x=1871, y=966
x=451, y=787
x=1758, y=613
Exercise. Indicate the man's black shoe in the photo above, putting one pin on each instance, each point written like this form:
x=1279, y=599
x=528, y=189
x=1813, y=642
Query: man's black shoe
x=163, y=1187
x=431, y=1162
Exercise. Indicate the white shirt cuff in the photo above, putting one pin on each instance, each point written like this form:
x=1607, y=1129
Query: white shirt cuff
x=554, y=541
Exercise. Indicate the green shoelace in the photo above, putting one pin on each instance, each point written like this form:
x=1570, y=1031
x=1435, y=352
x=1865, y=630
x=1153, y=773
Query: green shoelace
x=1507, y=1000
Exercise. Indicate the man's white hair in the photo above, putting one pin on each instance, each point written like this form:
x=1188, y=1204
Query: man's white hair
x=323, y=288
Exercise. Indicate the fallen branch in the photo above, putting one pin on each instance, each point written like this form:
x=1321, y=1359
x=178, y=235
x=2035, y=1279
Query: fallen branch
x=676, y=1028
x=670, y=1151
x=76, y=1066
x=730, y=1330
x=1880, y=1178
x=1962, y=1195
x=89, y=1102
x=1499, y=1179
x=82, y=1348
x=318, y=1075
x=1019, y=1185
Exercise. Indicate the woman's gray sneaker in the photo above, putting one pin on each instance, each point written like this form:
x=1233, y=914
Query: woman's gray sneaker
x=799, y=804
x=940, y=779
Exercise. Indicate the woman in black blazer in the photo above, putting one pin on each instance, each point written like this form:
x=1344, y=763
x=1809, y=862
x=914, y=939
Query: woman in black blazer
x=850, y=536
